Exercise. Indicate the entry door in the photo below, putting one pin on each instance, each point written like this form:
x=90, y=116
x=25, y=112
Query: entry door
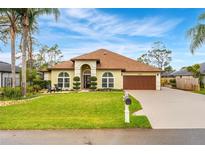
x=87, y=81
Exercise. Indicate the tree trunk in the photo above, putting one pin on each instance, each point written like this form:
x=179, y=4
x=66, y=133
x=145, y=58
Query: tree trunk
x=25, y=23
x=13, y=56
x=30, y=52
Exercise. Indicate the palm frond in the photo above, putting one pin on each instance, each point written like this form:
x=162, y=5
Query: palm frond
x=202, y=17
x=197, y=35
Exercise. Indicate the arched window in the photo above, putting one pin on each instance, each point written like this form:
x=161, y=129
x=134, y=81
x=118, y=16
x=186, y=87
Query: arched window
x=107, y=80
x=63, y=80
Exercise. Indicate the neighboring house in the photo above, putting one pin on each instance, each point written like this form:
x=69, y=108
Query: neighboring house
x=111, y=69
x=183, y=73
x=6, y=76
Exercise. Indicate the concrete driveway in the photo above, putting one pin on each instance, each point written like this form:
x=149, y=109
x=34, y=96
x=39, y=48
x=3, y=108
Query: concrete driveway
x=171, y=108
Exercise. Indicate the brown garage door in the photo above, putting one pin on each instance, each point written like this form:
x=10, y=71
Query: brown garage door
x=139, y=82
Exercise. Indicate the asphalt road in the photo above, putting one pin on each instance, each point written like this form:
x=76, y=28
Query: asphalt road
x=104, y=136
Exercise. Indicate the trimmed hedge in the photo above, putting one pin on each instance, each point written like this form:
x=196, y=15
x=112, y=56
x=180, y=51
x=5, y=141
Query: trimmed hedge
x=93, y=82
x=76, y=83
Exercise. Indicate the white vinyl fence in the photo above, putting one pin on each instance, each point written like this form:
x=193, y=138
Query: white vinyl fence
x=188, y=83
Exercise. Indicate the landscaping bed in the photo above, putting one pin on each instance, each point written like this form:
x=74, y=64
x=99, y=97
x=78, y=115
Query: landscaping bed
x=72, y=110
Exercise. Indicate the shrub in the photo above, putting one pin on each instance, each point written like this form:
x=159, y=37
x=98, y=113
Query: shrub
x=173, y=83
x=109, y=89
x=12, y=93
x=36, y=88
x=93, y=82
x=76, y=83
x=43, y=84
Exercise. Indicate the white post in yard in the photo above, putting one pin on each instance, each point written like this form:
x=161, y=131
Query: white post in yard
x=127, y=114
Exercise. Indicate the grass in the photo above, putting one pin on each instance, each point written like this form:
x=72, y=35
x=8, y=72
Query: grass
x=202, y=91
x=72, y=110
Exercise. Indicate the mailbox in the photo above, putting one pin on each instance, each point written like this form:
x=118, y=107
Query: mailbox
x=127, y=100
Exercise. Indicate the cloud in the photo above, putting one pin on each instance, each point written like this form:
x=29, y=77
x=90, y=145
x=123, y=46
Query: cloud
x=96, y=24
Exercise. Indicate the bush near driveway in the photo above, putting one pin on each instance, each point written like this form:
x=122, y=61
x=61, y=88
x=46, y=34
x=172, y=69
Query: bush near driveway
x=201, y=91
x=72, y=110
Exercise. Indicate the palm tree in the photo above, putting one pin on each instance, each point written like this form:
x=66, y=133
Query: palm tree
x=195, y=70
x=8, y=23
x=25, y=14
x=197, y=34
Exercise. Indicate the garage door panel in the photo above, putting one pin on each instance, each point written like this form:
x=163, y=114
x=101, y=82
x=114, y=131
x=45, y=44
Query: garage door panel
x=139, y=82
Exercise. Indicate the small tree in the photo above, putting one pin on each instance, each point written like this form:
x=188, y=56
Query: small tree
x=195, y=70
x=76, y=83
x=159, y=56
x=93, y=82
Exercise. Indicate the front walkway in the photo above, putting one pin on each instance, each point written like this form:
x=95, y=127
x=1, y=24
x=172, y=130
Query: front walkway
x=103, y=136
x=171, y=108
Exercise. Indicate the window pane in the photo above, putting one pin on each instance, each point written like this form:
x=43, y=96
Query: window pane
x=111, y=85
x=110, y=74
x=66, y=79
x=111, y=79
x=104, y=85
x=104, y=80
x=61, y=74
x=60, y=79
x=60, y=85
x=66, y=74
x=66, y=85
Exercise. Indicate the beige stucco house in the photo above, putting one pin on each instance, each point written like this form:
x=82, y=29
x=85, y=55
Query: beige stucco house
x=111, y=69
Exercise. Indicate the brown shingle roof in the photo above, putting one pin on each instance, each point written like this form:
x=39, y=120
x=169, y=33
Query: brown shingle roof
x=64, y=65
x=109, y=60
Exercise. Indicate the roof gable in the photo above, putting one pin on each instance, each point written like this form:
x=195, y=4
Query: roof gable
x=110, y=60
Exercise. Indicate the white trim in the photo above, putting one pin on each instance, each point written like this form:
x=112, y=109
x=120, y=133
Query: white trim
x=63, y=82
x=107, y=78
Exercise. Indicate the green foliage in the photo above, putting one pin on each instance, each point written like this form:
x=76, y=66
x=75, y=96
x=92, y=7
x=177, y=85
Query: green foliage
x=43, y=84
x=12, y=93
x=195, y=70
x=169, y=69
x=31, y=74
x=197, y=33
x=48, y=56
x=93, y=83
x=159, y=56
x=173, y=83
x=76, y=83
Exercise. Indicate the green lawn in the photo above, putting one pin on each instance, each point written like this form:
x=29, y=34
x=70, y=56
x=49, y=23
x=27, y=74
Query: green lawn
x=202, y=91
x=71, y=110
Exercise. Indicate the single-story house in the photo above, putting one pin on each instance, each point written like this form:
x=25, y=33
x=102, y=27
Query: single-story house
x=111, y=69
x=183, y=73
x=6, y=76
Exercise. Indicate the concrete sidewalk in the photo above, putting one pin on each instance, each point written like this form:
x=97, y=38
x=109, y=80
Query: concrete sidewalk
x=104, y=136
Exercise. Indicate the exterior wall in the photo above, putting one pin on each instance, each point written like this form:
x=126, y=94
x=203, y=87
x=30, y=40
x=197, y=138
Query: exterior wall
x=203, y=79
x=4, y=75
x=118, y=79
x=54, y=77
x=158, y=76
x=47, y=76
x=185, y=77
x=118, y=76
x=79, y=63
x=0, y=80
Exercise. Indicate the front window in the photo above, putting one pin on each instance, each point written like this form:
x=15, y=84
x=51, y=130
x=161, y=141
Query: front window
x=107, y=80
x=63, y=80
